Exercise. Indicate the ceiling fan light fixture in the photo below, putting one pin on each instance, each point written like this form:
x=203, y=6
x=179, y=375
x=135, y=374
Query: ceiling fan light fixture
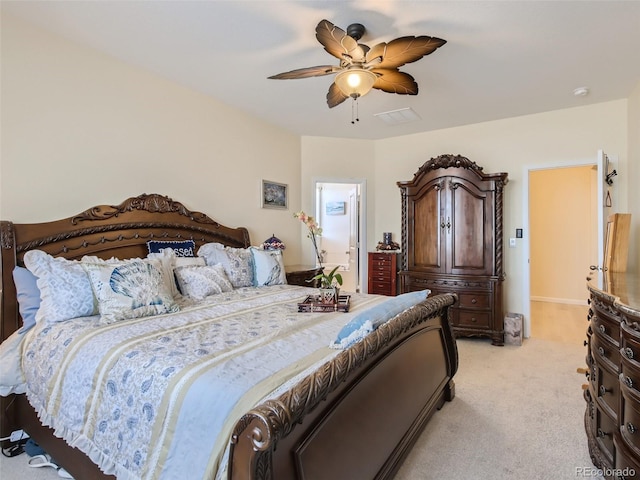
x=355, y=82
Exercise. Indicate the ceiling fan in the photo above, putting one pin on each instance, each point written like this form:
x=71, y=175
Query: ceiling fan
x=362, y=68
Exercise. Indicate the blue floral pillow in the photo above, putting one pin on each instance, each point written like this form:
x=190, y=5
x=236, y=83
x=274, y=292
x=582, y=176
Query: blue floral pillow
x=199, y=282
x=65, y=289
x=28, y=296
x=237, y=262
x=129, y=289
x=268, y=267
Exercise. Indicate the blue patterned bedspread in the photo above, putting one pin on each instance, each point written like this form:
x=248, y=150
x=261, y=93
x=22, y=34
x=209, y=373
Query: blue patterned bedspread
x=157, y=397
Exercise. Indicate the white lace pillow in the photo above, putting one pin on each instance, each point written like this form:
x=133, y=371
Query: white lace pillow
x=237, y=262
x=170, y=260
x=199, y=282
x=64, y=287
x=129, y=289
x=268, y=267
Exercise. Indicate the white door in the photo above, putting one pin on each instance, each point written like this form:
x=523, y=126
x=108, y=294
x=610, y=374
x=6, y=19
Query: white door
x=602, y=167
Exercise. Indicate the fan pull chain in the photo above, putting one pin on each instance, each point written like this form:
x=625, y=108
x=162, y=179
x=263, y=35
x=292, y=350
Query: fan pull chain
x=355, y=115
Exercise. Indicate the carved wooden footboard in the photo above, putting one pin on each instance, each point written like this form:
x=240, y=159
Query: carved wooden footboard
x=356, y=417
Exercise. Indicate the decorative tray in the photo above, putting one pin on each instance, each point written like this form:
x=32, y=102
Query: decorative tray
x=312, y=304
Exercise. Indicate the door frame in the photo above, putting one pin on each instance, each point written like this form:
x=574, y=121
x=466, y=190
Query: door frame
x=362, y=220
x=526, y=267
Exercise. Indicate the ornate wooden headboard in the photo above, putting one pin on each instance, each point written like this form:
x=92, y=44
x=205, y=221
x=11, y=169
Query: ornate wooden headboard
x=105, y=231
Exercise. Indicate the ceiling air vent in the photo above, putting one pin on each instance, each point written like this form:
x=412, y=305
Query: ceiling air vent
x=397, y=117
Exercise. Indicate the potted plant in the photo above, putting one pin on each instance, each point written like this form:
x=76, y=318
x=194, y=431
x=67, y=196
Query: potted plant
x=329, y=285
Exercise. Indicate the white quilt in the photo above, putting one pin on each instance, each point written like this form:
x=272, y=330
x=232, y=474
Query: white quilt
x=157, y=397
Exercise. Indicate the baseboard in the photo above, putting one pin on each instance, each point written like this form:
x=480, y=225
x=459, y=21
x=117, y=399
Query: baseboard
x=568, y=301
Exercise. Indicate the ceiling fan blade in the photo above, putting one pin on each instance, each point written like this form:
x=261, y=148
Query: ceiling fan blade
x=338, y=43
x=403, y=50
x=394, y=81
x=335, y=96
x=318, y=71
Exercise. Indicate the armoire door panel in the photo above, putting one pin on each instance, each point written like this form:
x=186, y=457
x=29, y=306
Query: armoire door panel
x=472, y=230
x=427, y=209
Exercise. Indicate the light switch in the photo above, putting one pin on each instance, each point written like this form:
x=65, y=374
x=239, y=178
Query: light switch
x=512, y=242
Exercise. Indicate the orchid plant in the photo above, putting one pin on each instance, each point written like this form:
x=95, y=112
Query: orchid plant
x=314, y=231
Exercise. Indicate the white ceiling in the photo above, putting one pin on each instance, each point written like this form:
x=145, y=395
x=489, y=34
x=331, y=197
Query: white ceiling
x=502, y=58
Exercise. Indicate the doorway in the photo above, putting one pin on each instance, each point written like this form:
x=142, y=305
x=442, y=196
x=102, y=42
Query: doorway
x=338, y=208
x=562, y=221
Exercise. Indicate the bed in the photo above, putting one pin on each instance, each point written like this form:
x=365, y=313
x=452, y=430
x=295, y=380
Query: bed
x=352, y=412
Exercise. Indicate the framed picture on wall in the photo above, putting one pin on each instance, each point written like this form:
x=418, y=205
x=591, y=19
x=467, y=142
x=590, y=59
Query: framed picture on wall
x=335, y=208
x=274, y=195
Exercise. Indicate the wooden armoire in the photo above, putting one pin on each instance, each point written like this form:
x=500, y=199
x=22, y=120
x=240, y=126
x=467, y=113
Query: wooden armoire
x=452, y=241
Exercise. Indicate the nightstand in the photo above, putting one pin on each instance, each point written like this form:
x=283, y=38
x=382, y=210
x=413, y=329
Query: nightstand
x=299, y=274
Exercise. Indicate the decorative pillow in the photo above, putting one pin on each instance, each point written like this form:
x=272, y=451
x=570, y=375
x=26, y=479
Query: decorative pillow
x=237, y=262
x=199, y=282
x=170, y=261
x=183, y=248
x=28, y=296
x=65, y=289
x=368, y=320
x=11, y=377
x=268, y=267
x=129, y=289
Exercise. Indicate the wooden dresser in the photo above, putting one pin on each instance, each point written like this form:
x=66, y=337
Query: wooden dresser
x=452, y=241
x=383, y=272
x=612, y=417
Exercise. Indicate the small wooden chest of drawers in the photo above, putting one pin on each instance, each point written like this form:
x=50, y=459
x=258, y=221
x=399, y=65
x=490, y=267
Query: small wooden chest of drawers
x=383, y=273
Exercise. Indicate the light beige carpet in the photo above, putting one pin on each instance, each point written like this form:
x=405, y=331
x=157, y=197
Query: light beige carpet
x=517, y=415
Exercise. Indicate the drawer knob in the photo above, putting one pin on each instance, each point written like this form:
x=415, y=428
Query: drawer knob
x=629, y=353
x=604, y=390
x=590, y=314
x=628, y=382
x=474, y=301
x=631, y=428
x=473, y=319
x=601, y=351
x=602, y=433
x=602, y=329
x=585, y=343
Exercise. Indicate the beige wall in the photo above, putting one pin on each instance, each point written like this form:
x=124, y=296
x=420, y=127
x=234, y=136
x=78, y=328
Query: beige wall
x=329, y=159
x=80, y=128
x=513, y=145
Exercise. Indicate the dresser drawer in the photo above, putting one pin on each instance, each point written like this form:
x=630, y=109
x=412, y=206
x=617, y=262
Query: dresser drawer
x=605, y=431
x=380, y=287
x=630, y=418
x=630, y=374
x=627, y=468
x=607, y=389
x=470, y=318
x=604, y=350
x=607, y=327
x=630, y=346
x=382, y=259
x=474, y=300
x=381, y=275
